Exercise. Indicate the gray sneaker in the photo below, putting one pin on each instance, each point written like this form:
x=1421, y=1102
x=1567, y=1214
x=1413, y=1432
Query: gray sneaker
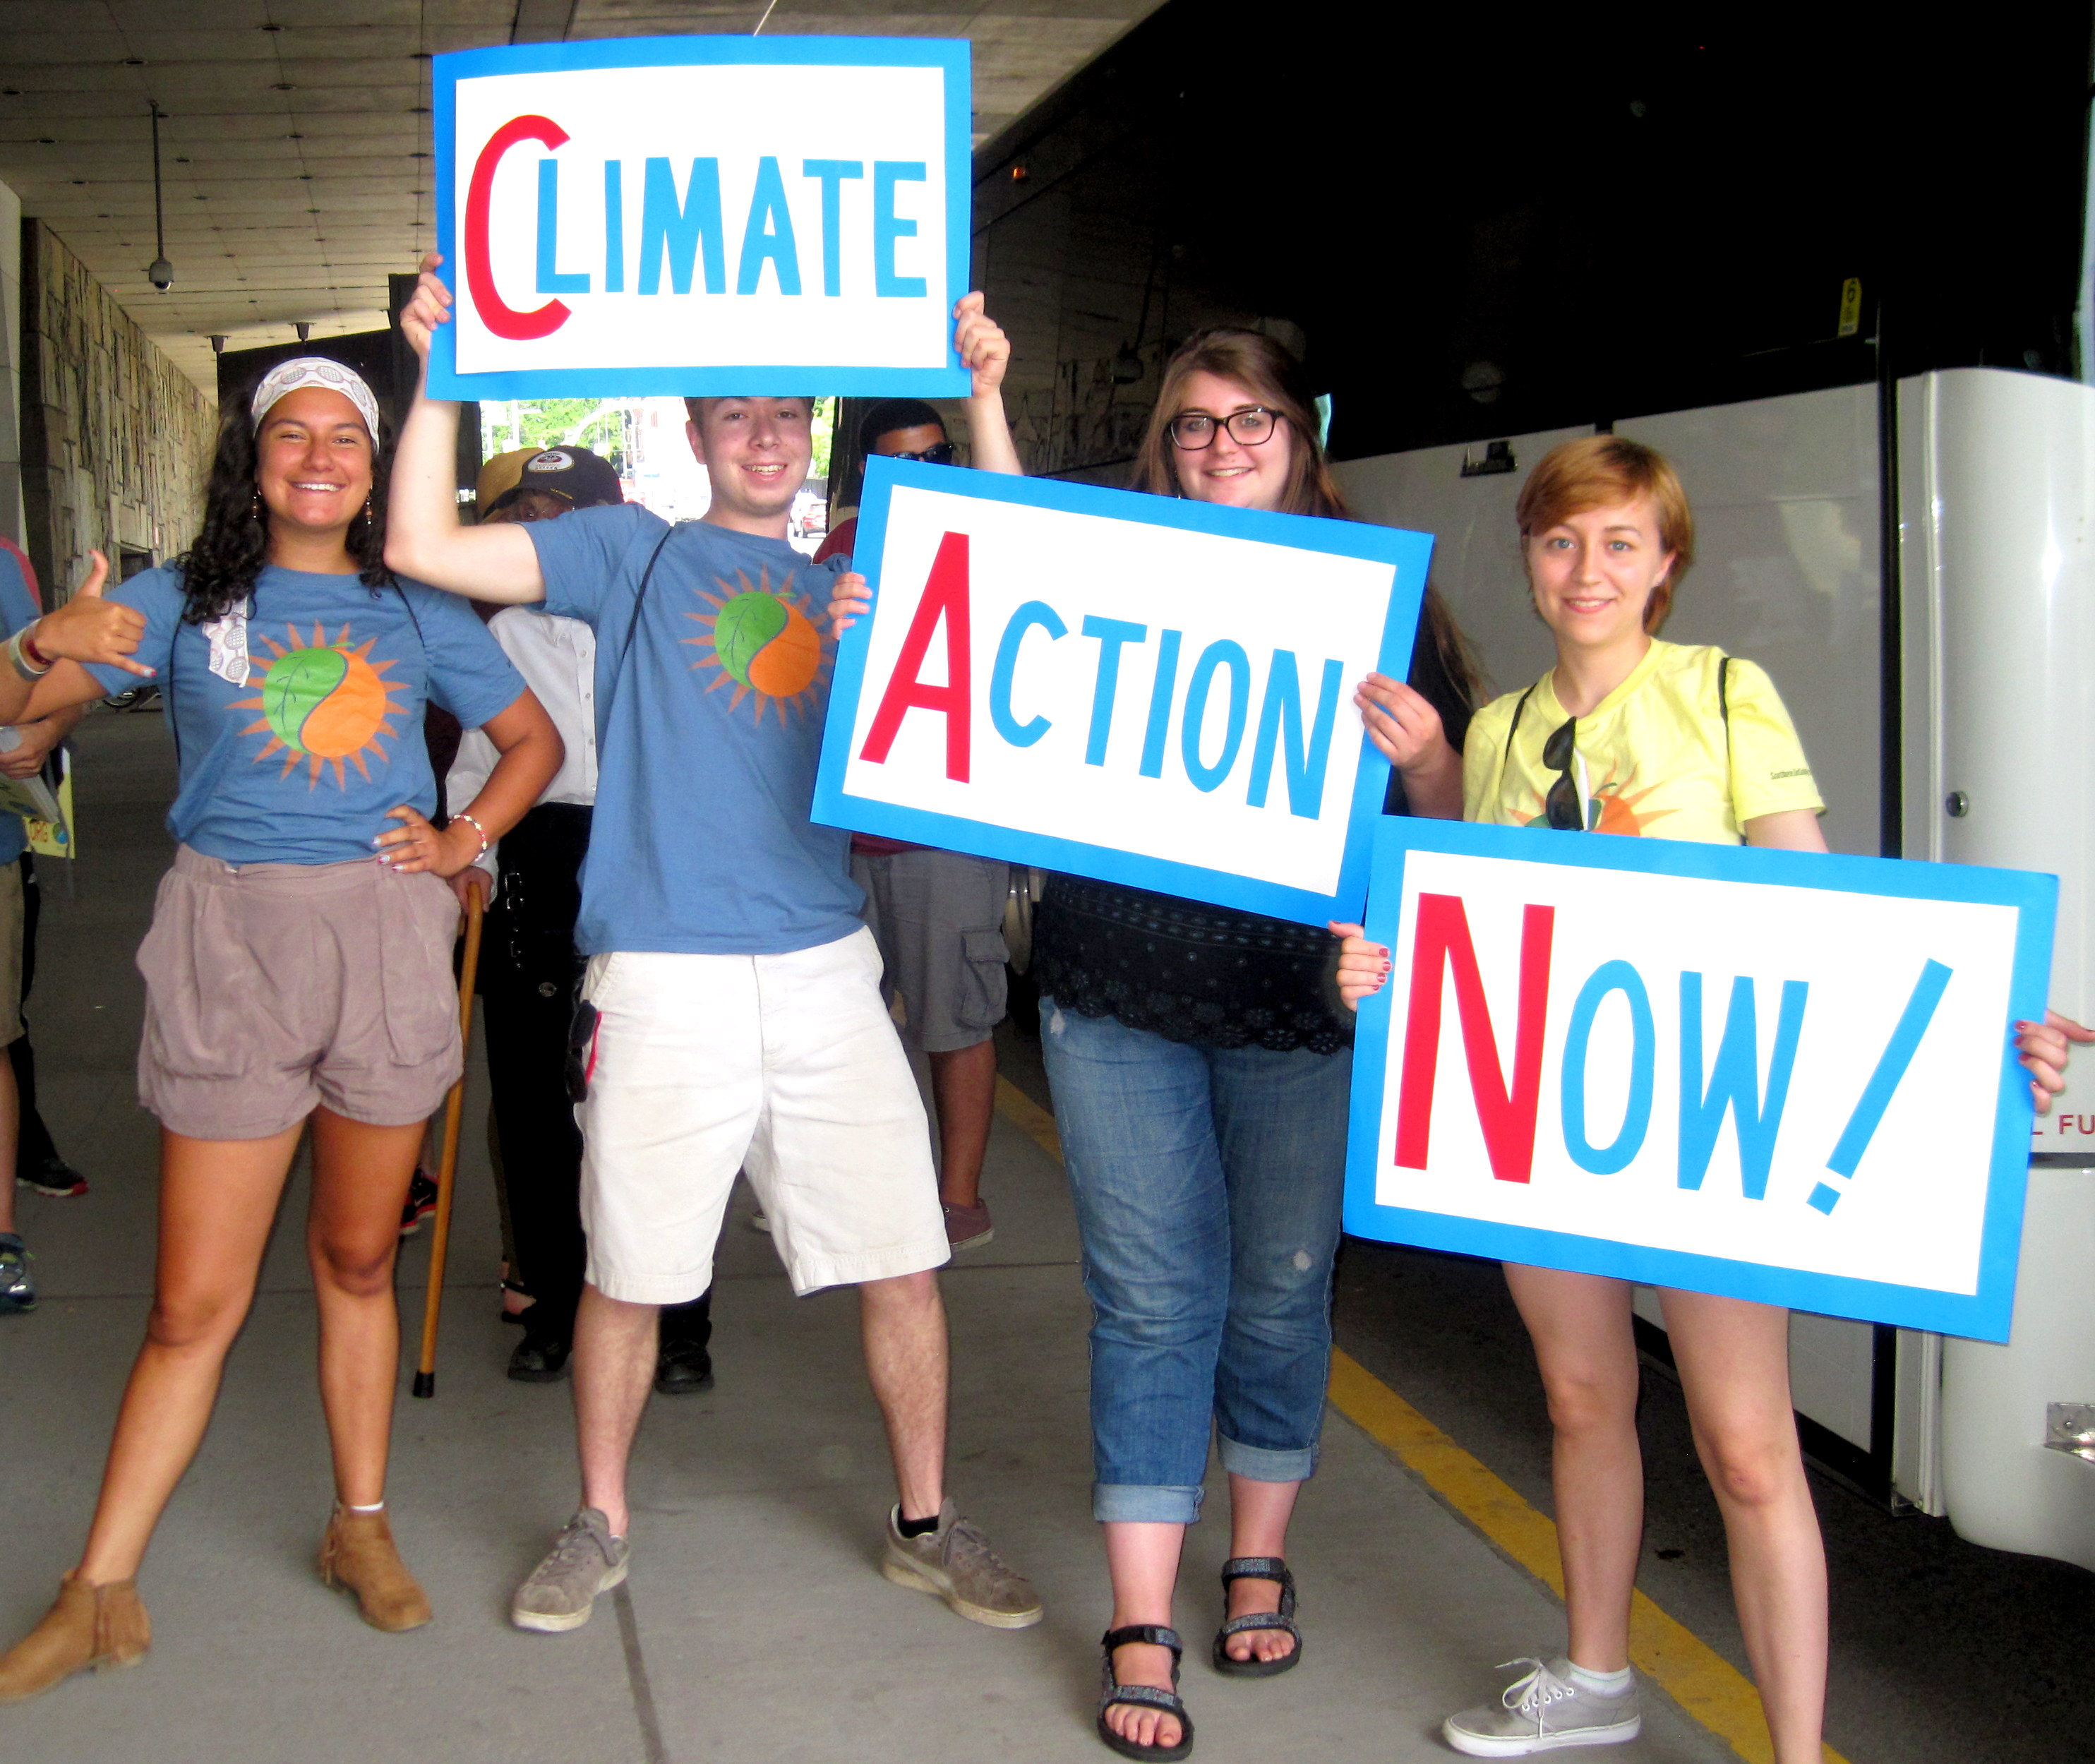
x=1545, y=1711
x=956, y=1563
x=585, y=1560
x=18, y=1291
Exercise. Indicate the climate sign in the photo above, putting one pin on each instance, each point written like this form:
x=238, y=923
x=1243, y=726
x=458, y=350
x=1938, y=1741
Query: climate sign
x=703, y=215
x=1773, y=1075
x=1135, y=688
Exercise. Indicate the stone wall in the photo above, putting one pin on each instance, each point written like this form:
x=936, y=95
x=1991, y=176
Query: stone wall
x=116, y=439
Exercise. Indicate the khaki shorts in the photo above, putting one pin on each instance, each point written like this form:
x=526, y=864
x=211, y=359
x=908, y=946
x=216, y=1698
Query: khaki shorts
x=273, y=988
x=938, y=919
x=784, y=1067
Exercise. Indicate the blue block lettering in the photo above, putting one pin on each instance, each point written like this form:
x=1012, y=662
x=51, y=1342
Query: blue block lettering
x=614, y=226
x=887, y=228
x=768, y=235
x=677, y=229
x=1111, y=634
x=1607, y=1160
x=1032, y=613
x=1305, y=770
x=552, y=279
x=1224, y=654
x=830, y=173
x=1735, y=1082
x=1161, y=689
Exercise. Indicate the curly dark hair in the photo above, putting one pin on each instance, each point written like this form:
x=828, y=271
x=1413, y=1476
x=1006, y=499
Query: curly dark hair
x=219, y=570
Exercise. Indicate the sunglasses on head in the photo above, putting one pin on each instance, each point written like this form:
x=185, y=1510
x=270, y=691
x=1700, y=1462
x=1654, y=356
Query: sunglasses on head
x=1562, y=808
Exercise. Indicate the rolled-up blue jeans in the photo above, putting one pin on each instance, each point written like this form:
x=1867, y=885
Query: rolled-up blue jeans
x=1209, y=1184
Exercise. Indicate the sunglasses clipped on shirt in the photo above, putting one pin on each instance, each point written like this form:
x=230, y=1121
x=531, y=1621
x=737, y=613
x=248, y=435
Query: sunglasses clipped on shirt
x=1564, y=808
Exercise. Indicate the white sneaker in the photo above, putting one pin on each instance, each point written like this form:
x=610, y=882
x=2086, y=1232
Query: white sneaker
x=1545, y=1711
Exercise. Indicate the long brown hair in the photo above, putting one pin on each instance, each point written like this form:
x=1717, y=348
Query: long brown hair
x=1275, y=378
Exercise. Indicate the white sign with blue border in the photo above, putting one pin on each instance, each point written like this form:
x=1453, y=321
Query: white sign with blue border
x=703, y=217
x=1772, y=1075
x=1134, y=688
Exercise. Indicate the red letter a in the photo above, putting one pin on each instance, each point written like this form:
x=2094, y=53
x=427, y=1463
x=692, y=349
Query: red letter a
x=1443, y=937
x=946, y=592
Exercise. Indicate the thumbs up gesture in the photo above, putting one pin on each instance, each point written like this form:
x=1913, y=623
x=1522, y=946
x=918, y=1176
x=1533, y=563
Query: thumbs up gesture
x=88, y=628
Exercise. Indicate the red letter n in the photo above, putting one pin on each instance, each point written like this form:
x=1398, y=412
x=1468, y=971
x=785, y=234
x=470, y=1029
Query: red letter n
x=945, y=592
x=1442, y=938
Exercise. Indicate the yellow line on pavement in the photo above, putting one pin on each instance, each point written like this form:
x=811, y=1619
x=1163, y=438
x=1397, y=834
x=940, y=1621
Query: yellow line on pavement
x=1690, y=1672
x=1693, y=1673
x=1029, y=1118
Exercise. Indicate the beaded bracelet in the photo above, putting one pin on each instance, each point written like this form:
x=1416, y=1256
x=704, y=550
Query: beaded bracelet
x=485, y=841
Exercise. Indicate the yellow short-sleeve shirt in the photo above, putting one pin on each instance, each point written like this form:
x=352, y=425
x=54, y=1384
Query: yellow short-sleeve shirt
x=1653, y=757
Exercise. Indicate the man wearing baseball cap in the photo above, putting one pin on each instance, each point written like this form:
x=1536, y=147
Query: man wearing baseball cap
x=529, y=967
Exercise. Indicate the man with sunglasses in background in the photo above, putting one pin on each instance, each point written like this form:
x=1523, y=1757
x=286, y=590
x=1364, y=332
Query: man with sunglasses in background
x=938, y=915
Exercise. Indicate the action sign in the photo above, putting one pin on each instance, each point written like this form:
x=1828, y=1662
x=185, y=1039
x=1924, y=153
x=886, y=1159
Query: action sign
x=1773, y=1075
x=1135, y=688
x=703, y=215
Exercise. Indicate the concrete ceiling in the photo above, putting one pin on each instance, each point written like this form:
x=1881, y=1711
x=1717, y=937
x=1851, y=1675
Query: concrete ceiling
x=296, y=145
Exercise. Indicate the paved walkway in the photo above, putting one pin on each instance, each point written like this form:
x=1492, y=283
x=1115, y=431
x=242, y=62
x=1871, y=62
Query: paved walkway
x=755, y=1625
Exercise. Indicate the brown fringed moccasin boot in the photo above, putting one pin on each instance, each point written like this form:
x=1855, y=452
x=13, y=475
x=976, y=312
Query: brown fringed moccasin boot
x=358, y=1553
x=89, y=1625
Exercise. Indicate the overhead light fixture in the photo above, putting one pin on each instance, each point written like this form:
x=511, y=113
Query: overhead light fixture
x=161, y=273
x=305, y=331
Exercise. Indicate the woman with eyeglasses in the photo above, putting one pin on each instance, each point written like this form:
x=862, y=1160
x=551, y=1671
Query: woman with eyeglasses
x=1201, y=1060
x=1630, y=734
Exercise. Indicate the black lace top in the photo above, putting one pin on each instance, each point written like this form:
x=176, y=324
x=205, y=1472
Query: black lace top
x=1193, y=972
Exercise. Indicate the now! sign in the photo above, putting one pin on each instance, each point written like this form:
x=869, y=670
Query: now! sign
x=703, y=215
x=1134, y=688
x=1772, y=1075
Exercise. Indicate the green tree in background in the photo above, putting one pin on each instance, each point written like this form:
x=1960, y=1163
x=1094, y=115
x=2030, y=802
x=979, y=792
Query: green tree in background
x=600, y=425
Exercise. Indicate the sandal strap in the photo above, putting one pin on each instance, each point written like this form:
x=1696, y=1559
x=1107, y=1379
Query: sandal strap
x=1148, y=1695
x=1283, y=1620
x=1261, y=1568
x=1256, y=1568
x=1155, y=1634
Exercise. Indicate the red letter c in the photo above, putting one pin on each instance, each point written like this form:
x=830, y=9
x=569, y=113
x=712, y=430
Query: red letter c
x=504, y=320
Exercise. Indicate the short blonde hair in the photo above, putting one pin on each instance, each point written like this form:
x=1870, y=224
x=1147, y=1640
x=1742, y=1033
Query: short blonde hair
x=1600, y=472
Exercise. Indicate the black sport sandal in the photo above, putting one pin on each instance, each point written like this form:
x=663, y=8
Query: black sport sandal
x=1257, y=1568
x=1146, y=1695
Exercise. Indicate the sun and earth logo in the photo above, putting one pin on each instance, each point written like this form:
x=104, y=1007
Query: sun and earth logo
x=323, y=703
x=763, y=641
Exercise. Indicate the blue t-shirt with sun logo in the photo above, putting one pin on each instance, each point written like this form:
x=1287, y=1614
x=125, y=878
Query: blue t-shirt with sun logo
x=709, y=728
x=299, y=725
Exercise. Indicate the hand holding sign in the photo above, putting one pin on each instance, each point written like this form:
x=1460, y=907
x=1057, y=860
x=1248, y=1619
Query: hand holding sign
x=429, y=306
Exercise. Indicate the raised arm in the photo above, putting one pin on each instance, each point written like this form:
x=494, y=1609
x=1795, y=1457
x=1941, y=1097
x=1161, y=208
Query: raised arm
x=424, y=538
x=985, y=352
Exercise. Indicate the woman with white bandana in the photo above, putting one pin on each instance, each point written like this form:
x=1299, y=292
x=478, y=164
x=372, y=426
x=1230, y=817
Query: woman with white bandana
x=298, y=970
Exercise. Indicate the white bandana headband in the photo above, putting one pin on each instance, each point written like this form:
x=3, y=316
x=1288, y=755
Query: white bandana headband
x=315, y=370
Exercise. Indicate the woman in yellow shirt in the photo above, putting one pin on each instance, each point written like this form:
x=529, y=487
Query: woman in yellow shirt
x=1629, y=734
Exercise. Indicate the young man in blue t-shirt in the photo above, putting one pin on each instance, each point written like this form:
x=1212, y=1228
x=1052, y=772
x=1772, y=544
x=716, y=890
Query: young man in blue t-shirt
x=733, y=1017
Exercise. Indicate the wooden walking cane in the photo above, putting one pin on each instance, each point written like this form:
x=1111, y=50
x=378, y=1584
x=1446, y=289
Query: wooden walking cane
x=440, y=1240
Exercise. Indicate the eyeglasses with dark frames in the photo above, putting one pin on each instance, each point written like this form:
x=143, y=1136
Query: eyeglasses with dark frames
x=1251, y=427
x=938, y=453
x=1561, y=807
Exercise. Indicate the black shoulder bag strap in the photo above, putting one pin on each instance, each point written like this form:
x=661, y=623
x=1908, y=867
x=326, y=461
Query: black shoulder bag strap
x=1513, y=729
x=1724, y=711
x=633, y=624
